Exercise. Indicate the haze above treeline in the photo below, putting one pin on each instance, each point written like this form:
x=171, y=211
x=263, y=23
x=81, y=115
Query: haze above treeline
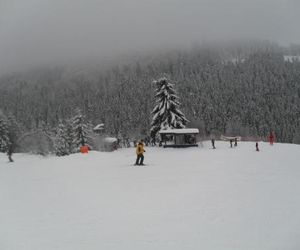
x=65, y=32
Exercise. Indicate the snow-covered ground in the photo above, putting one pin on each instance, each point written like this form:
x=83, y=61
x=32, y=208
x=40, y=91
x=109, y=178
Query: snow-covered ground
x=195, y=198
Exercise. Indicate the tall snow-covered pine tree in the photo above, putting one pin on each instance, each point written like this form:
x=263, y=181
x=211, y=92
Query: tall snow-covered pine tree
x=14, y=132
x=166, y=114
x=80, y=130
x=4, y=134
x=62, y=146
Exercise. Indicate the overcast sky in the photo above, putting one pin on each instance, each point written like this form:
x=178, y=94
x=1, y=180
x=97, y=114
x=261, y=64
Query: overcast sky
x=34, y=32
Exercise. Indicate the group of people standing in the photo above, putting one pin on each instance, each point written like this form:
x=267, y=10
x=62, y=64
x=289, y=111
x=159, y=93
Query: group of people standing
x=140, y=148
x=231, y=142
x=270, y=138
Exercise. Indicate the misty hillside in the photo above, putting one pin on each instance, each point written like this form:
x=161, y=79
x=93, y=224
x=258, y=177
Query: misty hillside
x=245, y=90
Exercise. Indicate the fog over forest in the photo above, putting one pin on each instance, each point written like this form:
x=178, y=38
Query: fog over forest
x=41, y=32
x=235, y=66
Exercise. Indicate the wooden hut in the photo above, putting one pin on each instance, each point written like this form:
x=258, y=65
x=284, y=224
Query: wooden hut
x=179, y=138
x=99, y=129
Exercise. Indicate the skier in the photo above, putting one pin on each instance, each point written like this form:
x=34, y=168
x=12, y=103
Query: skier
x=153, y=143
x=271, y=138
x=213, y=143
x=235, y=142
x=256, y=145
x=127, y=143
x=140, y=153
x=147, y=141
x=230, y=143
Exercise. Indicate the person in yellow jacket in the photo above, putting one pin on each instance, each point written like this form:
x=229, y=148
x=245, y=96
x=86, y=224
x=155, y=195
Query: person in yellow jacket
x=140, y=153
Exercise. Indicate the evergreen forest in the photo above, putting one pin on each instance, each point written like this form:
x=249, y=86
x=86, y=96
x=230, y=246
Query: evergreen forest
x=246, y=89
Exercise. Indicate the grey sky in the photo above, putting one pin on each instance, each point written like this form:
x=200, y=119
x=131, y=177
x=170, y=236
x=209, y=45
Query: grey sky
x=34, y=32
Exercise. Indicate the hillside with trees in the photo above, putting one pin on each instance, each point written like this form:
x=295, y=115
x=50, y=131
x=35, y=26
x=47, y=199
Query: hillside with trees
x=246, y=89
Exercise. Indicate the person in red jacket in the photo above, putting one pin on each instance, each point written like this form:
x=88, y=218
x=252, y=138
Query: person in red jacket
x=271, y=138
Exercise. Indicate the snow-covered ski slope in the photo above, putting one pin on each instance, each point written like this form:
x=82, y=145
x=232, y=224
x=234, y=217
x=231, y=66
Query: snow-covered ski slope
x=194, y=198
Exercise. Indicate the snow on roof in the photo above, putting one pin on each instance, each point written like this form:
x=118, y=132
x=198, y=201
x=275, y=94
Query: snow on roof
x=289, y=58
x=110, y=139
x=180, y=131
x=99, y=126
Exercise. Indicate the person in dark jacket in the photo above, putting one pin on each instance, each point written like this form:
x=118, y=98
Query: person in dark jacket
x=153, y=141
x=140, y=153
x=213, y=143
